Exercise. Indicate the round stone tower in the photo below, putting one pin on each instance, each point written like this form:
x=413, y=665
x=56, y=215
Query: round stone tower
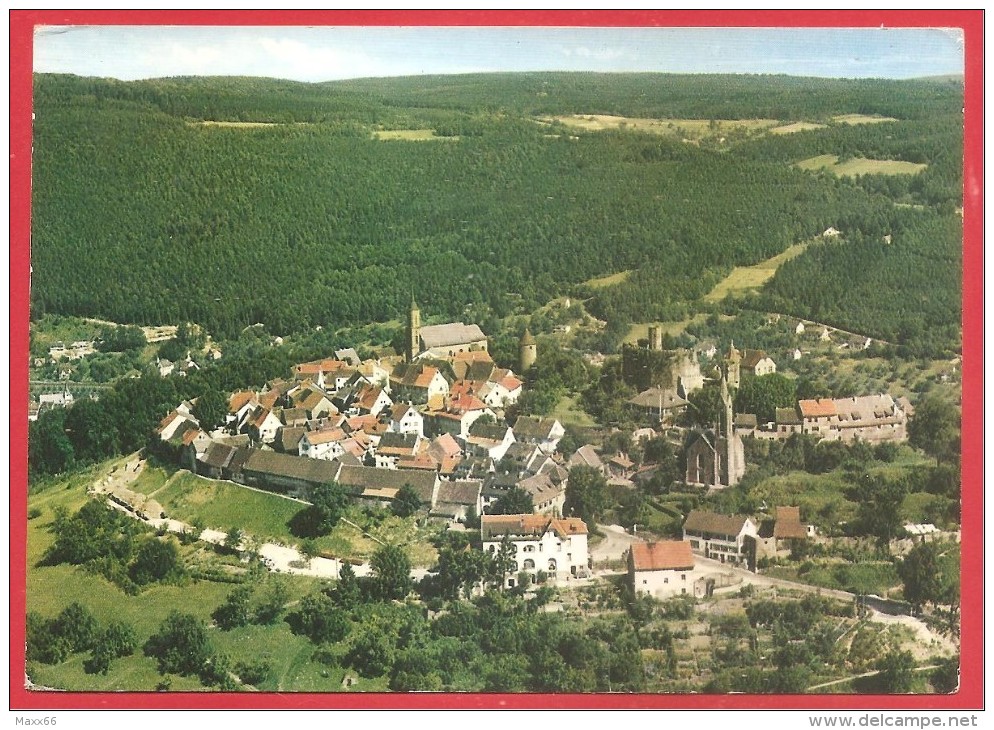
x=527, y=351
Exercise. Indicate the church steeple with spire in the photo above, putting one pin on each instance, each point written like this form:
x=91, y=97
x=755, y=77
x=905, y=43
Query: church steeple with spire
x=413, y=330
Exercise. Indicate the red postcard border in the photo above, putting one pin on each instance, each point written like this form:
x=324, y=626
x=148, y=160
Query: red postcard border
x=970, y=694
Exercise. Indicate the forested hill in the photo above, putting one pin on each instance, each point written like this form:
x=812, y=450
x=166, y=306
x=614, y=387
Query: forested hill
x=307, y=204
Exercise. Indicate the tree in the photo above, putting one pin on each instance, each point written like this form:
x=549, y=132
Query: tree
x=211, y=409
x=156, y=560
x=49, y=449
x=392, y=570
x=880, y=502
x=181, y=645
x=328, y=503
x=372, y=653
x=77, y=627
x=764, y=394
x=117, y=640
x=236, y=610
x=585, y=494
x=318, y=618
x=931, y=574
x=706, y=408
x=896, y=672
x=348, y=592
x=406, y=503
x=273, y=601
x=515, y=501
x=935, y=429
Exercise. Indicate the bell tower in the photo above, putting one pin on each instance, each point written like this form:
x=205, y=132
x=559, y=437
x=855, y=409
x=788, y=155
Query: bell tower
x=413, y=331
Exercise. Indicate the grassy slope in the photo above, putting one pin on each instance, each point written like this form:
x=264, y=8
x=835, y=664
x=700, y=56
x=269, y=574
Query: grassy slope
x=52, y=588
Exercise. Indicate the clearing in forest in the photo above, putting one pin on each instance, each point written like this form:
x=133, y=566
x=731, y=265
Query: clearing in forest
x=411, y=135
x=235, y=125
x=796, y=127
x=640, y=330
x=610, y=280
x=685, y=128
x=861, y=119
x=860, y=166
x=751, y=278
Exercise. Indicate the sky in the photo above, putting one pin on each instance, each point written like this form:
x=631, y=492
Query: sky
x=332, y=53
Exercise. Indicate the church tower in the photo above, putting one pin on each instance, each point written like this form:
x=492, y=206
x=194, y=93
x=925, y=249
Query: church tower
x=734, y=456
x=527, y=351
x=733, y=363
x=413, y=331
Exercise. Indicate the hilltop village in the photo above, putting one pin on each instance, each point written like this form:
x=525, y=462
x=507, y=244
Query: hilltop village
x=678, y=412
x=436, y=438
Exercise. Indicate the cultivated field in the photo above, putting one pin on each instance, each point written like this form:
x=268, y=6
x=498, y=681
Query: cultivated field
x=234, y=125
x=686, y=128
x=861, y=119
x=796, y=127
x=640, y=330
x=609, y=280
x=410, y=135
x=860, y=166
x=751, y=278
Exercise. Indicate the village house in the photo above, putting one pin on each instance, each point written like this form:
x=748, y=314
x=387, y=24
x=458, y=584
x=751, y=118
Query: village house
x=457, y=416
x=657, y=405
x=312, y=399
x=871, y=418
x=240, y=405
x=405, y=418
x=457, y=500
x=489, y=439
x=662, y=569
x=288, y=439
x=728, y=539
x=587, y=456
x=295, y=476
x=777, y=536
x=543, y=432
x=554, y=546
x=380, y=486
x=394, y=447
x=325, y=444
x=547, y=488
x=262, y=425
x=417, y=382
x=757, y=363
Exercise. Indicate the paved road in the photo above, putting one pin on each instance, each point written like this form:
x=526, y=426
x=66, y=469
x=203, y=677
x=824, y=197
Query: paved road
x=615, y=544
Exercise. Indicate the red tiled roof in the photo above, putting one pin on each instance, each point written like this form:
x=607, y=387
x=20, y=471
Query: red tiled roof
x=530, y=525
x=662, y=555
x=817, y=408
x=238, y=400
x=325, y=436
x=788, y=523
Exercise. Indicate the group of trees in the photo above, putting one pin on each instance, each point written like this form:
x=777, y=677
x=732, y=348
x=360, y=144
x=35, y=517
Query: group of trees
x=107, y=542
x=75, y=630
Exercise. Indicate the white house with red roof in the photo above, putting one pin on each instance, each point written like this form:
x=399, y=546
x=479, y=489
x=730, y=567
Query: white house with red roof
x=662, y=569
x=405, y=418
x=553, y=545
x=325, y=444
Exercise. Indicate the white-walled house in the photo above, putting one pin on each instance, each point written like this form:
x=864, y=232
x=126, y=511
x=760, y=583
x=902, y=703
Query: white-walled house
x=662, y=569
x=556, y=546
x=325, y=444
x=726, y=538
x=405, y=418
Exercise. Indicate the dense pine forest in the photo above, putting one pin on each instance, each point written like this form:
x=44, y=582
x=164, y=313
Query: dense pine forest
x=308, y=212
